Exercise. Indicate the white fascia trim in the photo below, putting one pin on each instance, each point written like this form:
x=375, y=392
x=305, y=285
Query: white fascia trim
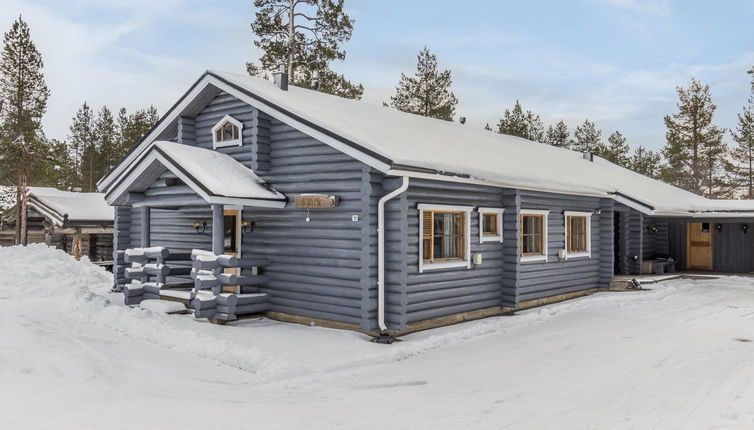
x=490, y=238
x=159, y=129
x=241, y=202
x=452, y=208
x=139, y=170
x=541, y=257
x=226, y=143
x=461, y=180
x=340, y=146
x=444, y=264
x=588, y=253
x=207, y=80
x=633, y=205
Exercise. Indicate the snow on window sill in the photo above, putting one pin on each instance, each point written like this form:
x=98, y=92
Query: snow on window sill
x=226, y=143
x=532, y=258
x=491, y=238
x=578, y=255
x=445, y=265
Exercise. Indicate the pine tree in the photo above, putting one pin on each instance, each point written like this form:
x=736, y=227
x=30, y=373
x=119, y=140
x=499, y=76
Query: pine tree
x=131, y=128
x=694, y=148
x=558, y=135
x=617, y=149
x=303, y=37
x=106, y=138
x=23, y=96
x=743, y=153
x=588, y=138
x=55, y=169
x=516, y=122
x=646, y=162
x=83, y=149
x=428, y=92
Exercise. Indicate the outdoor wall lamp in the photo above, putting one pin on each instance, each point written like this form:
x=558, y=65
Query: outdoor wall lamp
x=247, y=226
x=744, y=227
x=652, y=229
x=719, y=227
x=200, y=226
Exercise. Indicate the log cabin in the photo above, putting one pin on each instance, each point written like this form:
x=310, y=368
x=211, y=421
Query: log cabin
x=264, y=197
x=72, y=221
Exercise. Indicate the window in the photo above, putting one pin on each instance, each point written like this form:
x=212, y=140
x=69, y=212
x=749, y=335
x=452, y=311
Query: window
x=490, y=224
x=578, y=234
x=231, y=233
x=227, y=132
x=445, y=240
x=534, y=235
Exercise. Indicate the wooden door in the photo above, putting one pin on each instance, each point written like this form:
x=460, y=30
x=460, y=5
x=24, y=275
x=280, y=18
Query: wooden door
x=699, y=246
x=232, y=242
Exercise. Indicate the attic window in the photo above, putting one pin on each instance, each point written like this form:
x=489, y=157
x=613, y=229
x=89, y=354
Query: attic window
x=227, y=132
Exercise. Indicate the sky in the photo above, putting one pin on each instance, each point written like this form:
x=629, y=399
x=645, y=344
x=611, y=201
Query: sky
x=616, y=62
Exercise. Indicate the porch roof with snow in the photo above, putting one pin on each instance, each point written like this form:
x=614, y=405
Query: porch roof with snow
x=403, y=144
x=207, y=177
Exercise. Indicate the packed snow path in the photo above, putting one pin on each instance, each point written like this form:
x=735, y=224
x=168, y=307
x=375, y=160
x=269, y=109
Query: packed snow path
x=676, y=357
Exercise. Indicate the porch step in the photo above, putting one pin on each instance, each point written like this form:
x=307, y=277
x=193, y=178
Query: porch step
x=228, y=306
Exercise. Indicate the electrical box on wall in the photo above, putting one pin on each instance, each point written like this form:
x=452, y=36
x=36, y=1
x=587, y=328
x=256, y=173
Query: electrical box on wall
x=477, y=259
x=561, y=253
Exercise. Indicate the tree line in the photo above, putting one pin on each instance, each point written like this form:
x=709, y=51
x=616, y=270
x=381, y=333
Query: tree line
x=29, y=158
x=303, y=38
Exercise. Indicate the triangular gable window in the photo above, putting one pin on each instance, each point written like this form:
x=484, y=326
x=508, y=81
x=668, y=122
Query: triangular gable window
x=227, y=132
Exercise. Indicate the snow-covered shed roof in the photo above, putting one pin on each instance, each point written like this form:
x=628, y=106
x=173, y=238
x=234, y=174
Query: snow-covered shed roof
x=406, y=144
x=76, y=208
x=213, y=176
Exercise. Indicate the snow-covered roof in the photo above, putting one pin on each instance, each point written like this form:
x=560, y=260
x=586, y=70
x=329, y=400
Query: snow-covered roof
x=214, y=176
x=7, y=197
x=406, y=144
x=78, y=207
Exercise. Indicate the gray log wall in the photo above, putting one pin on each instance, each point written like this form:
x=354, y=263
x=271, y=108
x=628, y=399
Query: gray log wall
x=539, y=279
x=436, y=293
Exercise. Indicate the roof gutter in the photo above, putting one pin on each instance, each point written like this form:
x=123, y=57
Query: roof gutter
x=381, y=252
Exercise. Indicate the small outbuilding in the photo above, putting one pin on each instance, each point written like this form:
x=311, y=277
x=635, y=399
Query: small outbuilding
x=71, y=221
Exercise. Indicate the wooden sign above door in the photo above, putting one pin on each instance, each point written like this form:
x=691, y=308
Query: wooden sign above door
x=315, y=201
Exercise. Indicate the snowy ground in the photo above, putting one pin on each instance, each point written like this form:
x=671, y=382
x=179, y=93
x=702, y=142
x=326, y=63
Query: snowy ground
x=676, y=357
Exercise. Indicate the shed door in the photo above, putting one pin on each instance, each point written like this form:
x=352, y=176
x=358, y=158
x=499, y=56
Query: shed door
x=699, y=246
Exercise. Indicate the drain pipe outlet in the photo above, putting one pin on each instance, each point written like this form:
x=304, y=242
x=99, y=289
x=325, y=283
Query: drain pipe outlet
x=381, y=252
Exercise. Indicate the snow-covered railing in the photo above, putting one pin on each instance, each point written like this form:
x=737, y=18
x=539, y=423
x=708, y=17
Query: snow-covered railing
x=208, y=297
x=149, y=273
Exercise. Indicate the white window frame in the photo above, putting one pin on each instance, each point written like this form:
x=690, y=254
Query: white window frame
x=490, y=238
x=226, y=143
x=588, y=253
x=545, y=215
x=445, y=264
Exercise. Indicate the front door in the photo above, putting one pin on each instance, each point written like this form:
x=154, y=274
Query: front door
x=699, y=246
x=232, y=241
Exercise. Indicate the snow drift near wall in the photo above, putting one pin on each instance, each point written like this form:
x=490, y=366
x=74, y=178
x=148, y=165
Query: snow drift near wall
x=81, y=289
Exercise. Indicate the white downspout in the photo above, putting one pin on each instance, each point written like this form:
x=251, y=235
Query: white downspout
x=381, y=252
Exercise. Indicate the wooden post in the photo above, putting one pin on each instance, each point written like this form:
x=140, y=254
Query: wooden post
x=218, y=230
x=145, y=226
x=24, y=211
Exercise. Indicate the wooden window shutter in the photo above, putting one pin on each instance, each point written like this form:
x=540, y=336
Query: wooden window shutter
x=428, y=235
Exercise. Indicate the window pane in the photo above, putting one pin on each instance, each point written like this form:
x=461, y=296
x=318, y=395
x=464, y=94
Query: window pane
x=449, y=233
x=490, y=224
x=532, y=240
x=577, y=237
x=230, y=233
